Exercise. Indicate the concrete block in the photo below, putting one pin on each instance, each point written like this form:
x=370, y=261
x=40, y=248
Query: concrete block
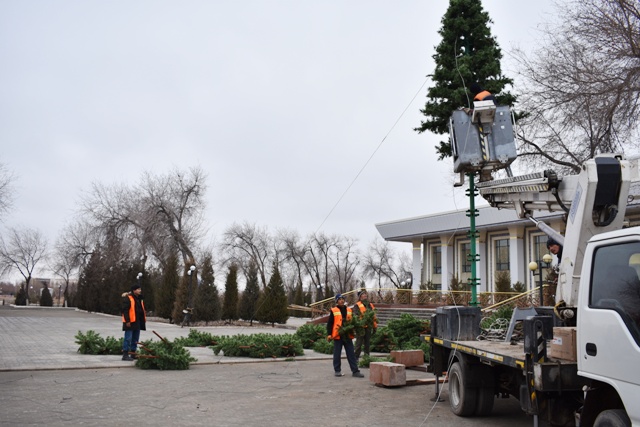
x=408, y=357
x=387, y=374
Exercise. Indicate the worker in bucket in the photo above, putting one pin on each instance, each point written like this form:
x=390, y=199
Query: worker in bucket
x=555, y=248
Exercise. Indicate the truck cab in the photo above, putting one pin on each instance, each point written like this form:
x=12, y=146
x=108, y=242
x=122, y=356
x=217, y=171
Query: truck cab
x=608, y=333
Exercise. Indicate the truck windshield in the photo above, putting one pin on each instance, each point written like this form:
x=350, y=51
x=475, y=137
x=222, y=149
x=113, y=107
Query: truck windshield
x=616, y=283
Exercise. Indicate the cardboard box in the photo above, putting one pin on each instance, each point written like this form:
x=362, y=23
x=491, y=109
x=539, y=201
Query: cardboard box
x=563, y=345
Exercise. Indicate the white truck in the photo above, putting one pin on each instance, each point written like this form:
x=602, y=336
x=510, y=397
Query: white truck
x=596, y=382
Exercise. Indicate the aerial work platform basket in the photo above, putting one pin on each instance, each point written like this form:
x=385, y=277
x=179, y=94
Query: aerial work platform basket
x=482, y=138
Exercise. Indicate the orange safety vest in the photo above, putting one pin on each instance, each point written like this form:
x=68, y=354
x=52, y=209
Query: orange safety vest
x=363, y=309
x=132, y=310
x=337, y=321
x=482, y=95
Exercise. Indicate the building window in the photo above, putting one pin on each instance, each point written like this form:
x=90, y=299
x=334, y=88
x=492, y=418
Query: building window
x=539, y=247
x=502, y=254
x=465, y=252
x=437, y=259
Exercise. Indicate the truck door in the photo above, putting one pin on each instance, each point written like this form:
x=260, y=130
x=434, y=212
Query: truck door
x=609, y=316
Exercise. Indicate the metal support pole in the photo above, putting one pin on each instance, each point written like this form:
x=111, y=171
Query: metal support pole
x=541, y=293
x=472, y=213
x=436, y=397
x=190, y=289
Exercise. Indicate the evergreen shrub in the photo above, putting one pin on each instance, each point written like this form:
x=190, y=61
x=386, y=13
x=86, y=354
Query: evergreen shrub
x=366, y=359
x=46, y=300
x=402, y=334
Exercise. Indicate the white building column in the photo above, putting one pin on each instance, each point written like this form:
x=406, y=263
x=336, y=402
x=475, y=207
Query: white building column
x=416, y=270
x=448, y=267
x=517, y=266
x=424, y=273
x=483, y=262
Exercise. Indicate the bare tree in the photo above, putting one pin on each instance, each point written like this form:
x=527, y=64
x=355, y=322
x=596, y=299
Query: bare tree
x=245, y=243
x=329, y=261
x=316, y=263
x=22, y=250
x=582, y=86
x=7, y=179
x=345, y=260
x=67, y=258
x=160, y=214
x=76, y=242
x=382, y=264
x=292, y=254
x=174, y=205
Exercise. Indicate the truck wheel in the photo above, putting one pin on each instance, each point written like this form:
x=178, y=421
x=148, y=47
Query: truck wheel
x=486, y=393
x=612, y=418
x=486, y=397
x=461, y=398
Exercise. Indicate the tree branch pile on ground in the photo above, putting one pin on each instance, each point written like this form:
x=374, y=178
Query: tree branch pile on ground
x=164, y=355
x=92, y=343
x=259, y=346
x=309, y=334
x=196, y=338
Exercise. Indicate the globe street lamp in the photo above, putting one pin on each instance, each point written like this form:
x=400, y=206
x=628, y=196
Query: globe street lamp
x=191, y=272
x=139, y=277
x=187, y=312
x=533, y=266
x=406, y=284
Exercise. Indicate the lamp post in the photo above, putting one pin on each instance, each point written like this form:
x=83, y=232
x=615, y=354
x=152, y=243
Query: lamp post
x=406, y=284
x=187, y=311
x=546, y=260
x=191, y=271
x=59, y=295
x=533, y=266
x=139, y=277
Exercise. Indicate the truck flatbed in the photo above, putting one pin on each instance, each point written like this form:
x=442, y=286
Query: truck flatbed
x=502, y=353
x=552, y=375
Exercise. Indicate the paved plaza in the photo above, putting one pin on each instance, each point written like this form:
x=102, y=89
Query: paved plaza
x=44, y=381
x=41, y=338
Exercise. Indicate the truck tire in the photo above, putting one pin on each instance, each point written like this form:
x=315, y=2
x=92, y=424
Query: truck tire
x=484, y=405
x=486, y=393
x=462, y=399
x=612, y=418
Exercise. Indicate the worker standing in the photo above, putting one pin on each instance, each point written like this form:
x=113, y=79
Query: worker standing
x=364, y=337
x=340, y=314
x=133, y=321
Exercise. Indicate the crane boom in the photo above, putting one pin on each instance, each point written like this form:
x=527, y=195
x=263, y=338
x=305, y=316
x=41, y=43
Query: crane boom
x=594, y=202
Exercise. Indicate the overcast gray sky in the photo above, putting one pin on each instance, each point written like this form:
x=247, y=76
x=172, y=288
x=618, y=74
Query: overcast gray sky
x=281, y=103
